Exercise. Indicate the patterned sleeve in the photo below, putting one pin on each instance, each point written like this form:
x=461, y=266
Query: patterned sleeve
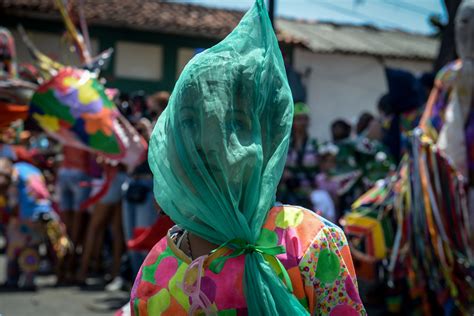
x=329, y=275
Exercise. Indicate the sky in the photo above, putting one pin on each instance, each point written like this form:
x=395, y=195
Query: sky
x=407, y=15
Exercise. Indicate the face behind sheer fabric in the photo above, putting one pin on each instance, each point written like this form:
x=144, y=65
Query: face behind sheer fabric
x=218, y=126
x=223, y=138
x=218, y=151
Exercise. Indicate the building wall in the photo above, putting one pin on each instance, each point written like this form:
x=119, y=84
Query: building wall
x=159, y=57
x=338, y=85
x=342, y=86
x=51, y=44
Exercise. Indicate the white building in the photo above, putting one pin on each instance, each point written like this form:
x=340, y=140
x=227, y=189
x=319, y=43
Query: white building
x=344, y=62
x=345, y=66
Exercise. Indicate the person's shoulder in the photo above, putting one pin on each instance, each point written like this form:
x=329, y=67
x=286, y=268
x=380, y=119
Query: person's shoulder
x=304, y=223
x=144, y=286
x=288, y=215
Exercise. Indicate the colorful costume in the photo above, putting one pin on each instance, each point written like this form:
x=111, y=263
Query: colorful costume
x=450, y=123
x=24, y=233
x=418, y=225
x=317, y=259
x=217, y=154
x=72, y=106
x=449, y=117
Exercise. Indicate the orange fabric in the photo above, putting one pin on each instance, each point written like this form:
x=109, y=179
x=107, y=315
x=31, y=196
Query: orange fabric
x=429, y=108
x=271, y=218
x=346, y=255
x=11, y=113
x=142, y=308
x=309, y=291
x=174, y=309
x=297, y=282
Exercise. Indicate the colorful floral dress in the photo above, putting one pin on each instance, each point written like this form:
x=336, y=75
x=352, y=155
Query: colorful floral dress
x=317, y=259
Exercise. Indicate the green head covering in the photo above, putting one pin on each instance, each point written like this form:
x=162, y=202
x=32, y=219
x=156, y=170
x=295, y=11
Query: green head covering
x=218, y=150
x=301, y=109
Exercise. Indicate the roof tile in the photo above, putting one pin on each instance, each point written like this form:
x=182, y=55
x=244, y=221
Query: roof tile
x=212, y=23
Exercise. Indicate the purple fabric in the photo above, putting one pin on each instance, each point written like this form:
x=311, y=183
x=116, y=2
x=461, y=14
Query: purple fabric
x=71, y=98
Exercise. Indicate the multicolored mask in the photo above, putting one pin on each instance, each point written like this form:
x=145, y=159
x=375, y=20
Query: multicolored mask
x=73, y=107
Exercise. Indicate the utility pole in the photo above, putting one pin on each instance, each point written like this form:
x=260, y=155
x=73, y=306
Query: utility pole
x=271, y=11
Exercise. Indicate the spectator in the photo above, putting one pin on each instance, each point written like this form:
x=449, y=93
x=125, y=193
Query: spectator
x=324, y=196
x=340, y=130
x=137, y=106
x=107, y=211
x=369, y=127
x=365, y=119
x=124, y=104
x=156, y=104
x=73, y=188
x=301, y=163
x=138, y=204
x=401, y=109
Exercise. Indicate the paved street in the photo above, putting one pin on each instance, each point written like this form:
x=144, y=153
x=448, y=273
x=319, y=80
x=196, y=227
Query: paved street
x=64, y=301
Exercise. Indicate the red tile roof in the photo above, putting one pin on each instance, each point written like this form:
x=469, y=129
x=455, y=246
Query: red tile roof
x=215, y=24
x=151, y=15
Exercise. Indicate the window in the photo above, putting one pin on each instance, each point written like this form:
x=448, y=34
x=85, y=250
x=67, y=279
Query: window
x=52, y=45
x=138, y=61
x=184, y=56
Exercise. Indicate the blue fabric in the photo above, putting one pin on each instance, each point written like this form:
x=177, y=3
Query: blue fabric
x=71, y=194
x=114, y=193
x=30, y=206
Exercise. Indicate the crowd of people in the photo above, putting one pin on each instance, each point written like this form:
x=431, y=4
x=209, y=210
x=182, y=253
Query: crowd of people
x=218, y=165
x=41, y=178
x=329, y=175
x=323, y=176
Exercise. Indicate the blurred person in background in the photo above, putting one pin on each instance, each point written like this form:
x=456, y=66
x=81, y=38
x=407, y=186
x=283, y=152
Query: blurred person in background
x=324, y=197
x=107, y=212
x=363, y=123
x=123, y=104
x=400, y=109
x=156, y=104
x=340, y=130
x=139, y=209
x=30, y=201
x=73, y=186
x=369, y=127
x=138, y=106
x=302, y=163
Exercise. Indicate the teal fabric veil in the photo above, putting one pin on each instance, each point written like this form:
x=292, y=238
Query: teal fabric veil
x=218, y=150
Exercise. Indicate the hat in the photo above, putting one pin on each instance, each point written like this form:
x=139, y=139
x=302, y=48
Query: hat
x=301, y=109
